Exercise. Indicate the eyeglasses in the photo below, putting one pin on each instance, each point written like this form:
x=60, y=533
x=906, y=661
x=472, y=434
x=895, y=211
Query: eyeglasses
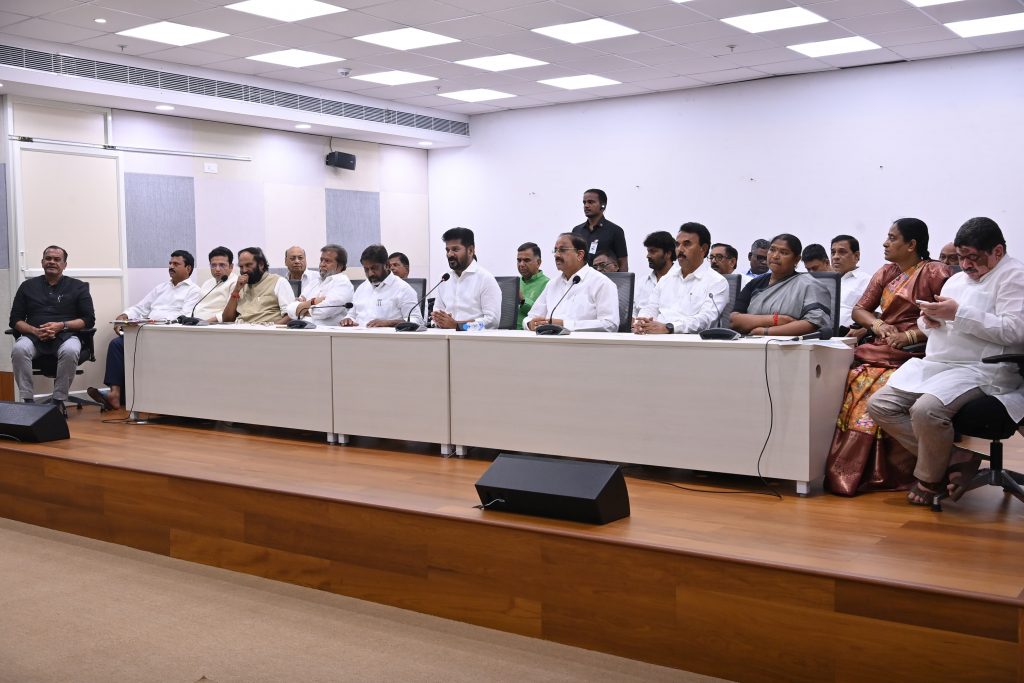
x=563, y=250
x=717, y=257
x=972, y=258
x=604, y=266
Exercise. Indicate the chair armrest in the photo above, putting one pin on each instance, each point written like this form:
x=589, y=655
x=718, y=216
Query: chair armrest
x=1005, y=358
x=13, y=332
x=915, y=348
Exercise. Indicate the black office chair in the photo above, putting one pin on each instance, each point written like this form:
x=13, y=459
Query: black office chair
x=419, y=285
x=624, y=283
x=986, y=418
x=735, y=281
x=831, y=281
x=509, y=286
x=46, y=366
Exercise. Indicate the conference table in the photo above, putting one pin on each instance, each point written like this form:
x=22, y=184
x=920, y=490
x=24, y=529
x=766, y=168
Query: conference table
x=750, y=406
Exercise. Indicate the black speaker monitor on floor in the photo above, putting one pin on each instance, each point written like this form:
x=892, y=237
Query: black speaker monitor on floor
x=580, y=491
x=32, y=422
x=342, y=160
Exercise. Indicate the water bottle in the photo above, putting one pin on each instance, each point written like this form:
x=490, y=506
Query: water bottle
x=474, y=326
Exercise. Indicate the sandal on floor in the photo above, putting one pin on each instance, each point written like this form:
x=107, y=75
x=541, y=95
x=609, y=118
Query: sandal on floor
x=923, y=493
x=960, y=475
x=96, y=395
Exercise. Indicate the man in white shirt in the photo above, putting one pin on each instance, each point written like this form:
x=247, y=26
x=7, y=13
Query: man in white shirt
x=845, y=257
x=325, y=304
x=692, y=297
x=980, y=313
x=593, y=303
x=259, y=296
x=299, y=278
x=471, y=294
x=165, y=302
x=214, y=292
x=384, y=299
x=661, y=258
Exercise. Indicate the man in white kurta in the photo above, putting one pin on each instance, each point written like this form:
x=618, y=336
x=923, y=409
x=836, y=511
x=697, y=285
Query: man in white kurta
x=215, y=291
x=471, y=294
x=690, y=298
x=845, y=259
x=661, y=259
x=980, y=313
x=383, y=299
x=592, y=305
x=324, y=301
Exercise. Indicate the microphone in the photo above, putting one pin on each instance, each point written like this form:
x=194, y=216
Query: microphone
x=820, y=334
x=549, y=327
x=409, y=325
x=190, y=319
x=719, y=333
x=302, y=324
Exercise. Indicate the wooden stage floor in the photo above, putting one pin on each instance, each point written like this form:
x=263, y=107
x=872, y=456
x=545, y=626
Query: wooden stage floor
x=742, y=586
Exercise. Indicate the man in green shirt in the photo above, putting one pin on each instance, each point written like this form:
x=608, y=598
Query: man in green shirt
x=531, y=279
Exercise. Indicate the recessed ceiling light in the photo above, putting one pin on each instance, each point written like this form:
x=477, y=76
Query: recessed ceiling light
x=100, y=20
x=775, y=20
x=839, y=46
x=407, y=39
x=585, y=31
x=501, y=62
x=286, y=10
x=477, y=95
x=164, y=107
x=988, y=25
x=171, y=33
x=394, y=78
x=303, y=126
x=578, y=82
x=425, y=143
x=929, y=3
x=296, y=58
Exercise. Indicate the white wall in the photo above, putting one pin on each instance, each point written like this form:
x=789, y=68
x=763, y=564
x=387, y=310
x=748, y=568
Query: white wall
x=816, y=155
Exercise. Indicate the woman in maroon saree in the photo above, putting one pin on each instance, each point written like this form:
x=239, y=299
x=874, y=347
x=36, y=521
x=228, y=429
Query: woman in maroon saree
x=863, y=458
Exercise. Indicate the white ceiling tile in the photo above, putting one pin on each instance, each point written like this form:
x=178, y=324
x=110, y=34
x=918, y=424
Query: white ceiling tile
x=41, y=29
x=972, y=9
x=540, y=73
x=561, y=52
x=862, y=58
x=557, y=95
x=452, y=51
x=1000, y=40
x=519, y=42
x=927, y=34
x=806, y=34
x=772, y=56
x=416, y=12
x=228, y=21
x=472, y=108
x=187, y=55
x=290, y=35
x=247, y=66
x=698, y=66
x=795, y=66
x=404, y=61
x=112, y=42
x=665, y=55
x=539, y=15
x=35, y=8
x=672, y=83
x=659, y=18
x=345, y=84
x=731, y=46
x=627, y=45
x=604, y=8
x=638, y=74
x=468, y=28
x=84, y=16
x=728, y=76
x=161, y=9
x=890, y=21
x=351, y=24
x=349, y=48
x=697, y=32
x=489, y=5
x=599, y=65
x=844, y=9
x=719, y=9
x=523, y=102
x=620, y=90
x=237, y=47
x=425, y=101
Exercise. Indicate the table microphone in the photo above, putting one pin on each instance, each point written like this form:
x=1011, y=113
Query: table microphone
x=719, y=333
x=409, y=325
x=549, y=327
x=301, y=324
x=190, y=319
x=820, y=334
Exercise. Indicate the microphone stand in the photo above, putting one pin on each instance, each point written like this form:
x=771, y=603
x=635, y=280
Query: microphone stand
x=549, y=328
x=191, y=319
x=409, y=325
x=719, y=333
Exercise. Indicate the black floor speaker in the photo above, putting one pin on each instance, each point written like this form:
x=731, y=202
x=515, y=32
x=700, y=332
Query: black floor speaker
x=590, y=492
x=31, y=422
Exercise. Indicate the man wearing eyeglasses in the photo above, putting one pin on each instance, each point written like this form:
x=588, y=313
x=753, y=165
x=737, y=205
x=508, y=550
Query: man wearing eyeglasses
x=979, y=313
x=593, y=303
x=606, y=262
x=723, y=258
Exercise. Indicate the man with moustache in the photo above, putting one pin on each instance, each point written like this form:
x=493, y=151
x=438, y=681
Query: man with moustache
x=723, y=258
x=593, y=303
x=600, y=233
x=325, y=304
x=661, y=258
x=259, y=296
x=532, y=279
x=690, y=298
x=948, y=255
x=384, y=299
x=816, y=259
x=845, y=257
x=471, y=294
x=299, y=278
x=979, y=313
x=214, y=292
x=166, y=301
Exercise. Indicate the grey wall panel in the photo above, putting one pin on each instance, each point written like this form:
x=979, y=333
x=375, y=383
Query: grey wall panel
x=5, y=259
x=353, y=221
x=160, y=217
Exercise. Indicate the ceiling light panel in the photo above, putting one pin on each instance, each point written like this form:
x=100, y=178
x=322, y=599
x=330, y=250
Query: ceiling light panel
x=295, y=58
x=988, y=26
x=504, y=62
x=394, y=78
x=407, y=39
x=476, y=95
x=929, y=3
x=839, y=46
x=170, y=33
x=775, y=20
x=286, y=10
x=586, y=31
x=579, y=82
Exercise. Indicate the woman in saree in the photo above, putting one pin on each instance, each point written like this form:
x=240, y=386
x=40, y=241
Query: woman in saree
x=782, y=302
x=863, y=458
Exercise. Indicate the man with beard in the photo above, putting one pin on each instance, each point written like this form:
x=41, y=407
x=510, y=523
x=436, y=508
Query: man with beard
x=723, y=258
x=531, y=279
x=259, y=296
x=593, y=303
x=600, y=234
x=166, y=301
x=325, y=303
x=471, y=294
x=661, y=258
x=690, y=298
x=384, y=299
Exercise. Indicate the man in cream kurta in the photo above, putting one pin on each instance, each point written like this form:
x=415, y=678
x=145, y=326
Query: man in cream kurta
x=259, y=296
x=980, y=313
x=593, y=303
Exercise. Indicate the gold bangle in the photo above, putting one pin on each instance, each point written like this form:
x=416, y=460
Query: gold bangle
x=875, y=325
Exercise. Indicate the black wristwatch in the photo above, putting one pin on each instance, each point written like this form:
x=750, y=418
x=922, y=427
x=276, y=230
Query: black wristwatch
x=671, y=328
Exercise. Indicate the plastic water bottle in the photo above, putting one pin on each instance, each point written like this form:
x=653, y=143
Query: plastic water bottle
x=474, y=326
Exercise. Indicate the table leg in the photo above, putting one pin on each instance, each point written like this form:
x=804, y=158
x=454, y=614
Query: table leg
x=803, y=488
